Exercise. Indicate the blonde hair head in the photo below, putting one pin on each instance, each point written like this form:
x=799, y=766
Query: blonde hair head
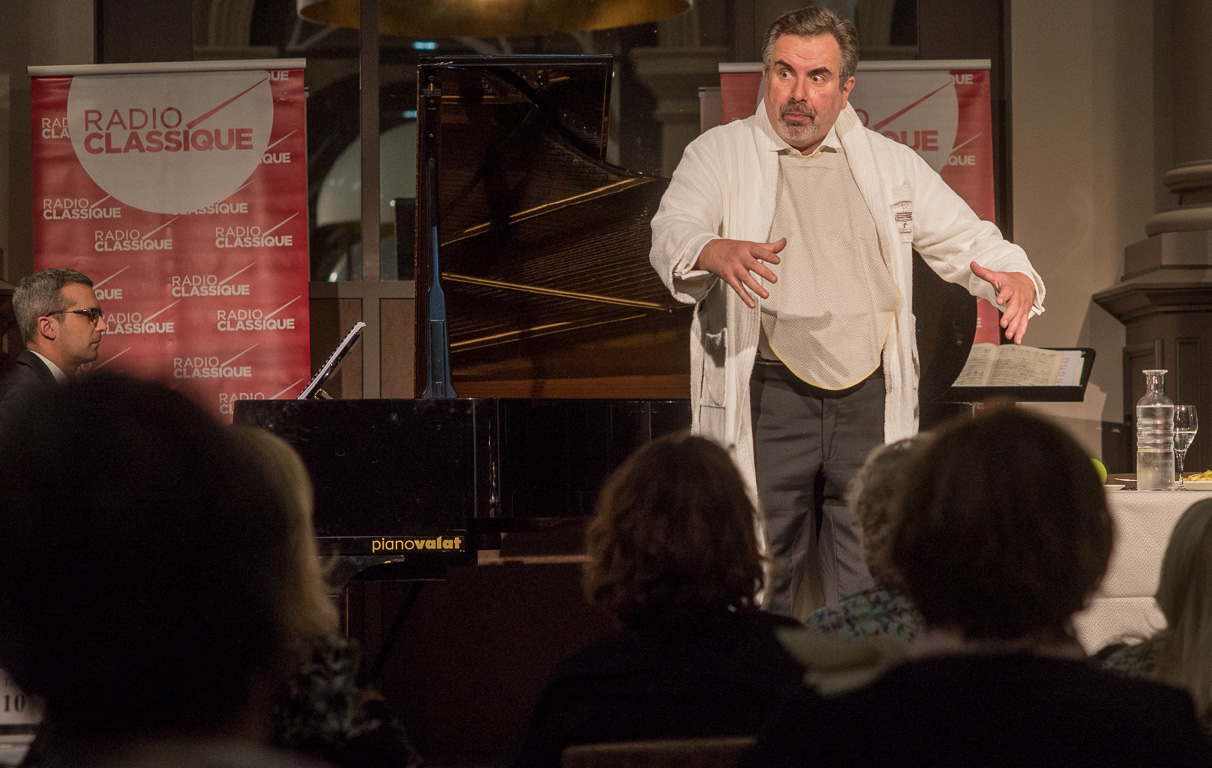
x=313, y=613
x=1184, y=595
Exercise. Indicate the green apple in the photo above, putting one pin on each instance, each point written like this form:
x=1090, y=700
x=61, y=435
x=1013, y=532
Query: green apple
x=1102, y=471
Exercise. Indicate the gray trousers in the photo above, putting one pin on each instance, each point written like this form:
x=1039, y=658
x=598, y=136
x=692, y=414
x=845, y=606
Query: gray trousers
x=808, y=443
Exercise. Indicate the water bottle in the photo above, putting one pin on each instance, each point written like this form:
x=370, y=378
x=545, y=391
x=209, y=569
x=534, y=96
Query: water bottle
x=1155, y=436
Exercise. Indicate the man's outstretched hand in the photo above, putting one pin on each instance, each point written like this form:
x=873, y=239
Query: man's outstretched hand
x=736, y=261
x=1016, y=293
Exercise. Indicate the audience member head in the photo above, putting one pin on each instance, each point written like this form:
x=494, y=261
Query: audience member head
x=313, y=612
x=52, y=309
x=673, y=535
x=1004, y=532
x=144, y=568
x=1184, y=595
x=870, y=497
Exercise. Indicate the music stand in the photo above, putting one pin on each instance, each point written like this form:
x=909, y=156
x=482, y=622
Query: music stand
x=312, y=390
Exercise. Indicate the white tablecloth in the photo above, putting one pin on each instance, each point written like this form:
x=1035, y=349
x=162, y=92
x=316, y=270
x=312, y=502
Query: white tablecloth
x=1124, y=603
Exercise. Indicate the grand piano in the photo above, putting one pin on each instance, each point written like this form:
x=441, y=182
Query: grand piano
x=565, y=350
x=537, y=306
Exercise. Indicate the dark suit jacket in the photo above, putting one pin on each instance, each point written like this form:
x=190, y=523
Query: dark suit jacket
x=28, y=379
x=719, y=676
x=1012, y=710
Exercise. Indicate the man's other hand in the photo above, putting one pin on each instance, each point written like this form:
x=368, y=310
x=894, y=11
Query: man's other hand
x=1015, y=294
x=736, y=261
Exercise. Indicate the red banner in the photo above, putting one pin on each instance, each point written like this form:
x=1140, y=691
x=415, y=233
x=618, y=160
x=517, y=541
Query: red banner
x=183, y=195
x=940, y=109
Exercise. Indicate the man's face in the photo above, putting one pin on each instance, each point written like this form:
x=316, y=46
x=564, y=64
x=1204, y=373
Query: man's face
x=802, y=95
x=78, y=337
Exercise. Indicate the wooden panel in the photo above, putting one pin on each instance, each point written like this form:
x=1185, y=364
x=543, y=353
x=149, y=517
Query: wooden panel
x=397, y=343
x=1177, y=343
x=331, y=319
x=1137, y=358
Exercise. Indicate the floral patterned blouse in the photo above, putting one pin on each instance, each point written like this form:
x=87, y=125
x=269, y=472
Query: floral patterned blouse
x=1139, y=660
x=880, y=612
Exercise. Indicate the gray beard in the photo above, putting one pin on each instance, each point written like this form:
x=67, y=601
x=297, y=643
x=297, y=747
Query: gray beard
x=797, y=134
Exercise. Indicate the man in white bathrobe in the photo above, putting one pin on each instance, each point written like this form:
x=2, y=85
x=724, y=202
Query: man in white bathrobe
x=793, y=231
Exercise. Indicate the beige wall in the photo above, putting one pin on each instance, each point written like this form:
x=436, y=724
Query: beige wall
x=1083, y=173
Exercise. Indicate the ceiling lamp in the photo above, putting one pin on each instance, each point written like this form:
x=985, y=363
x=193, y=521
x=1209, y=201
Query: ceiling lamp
x=492, y=18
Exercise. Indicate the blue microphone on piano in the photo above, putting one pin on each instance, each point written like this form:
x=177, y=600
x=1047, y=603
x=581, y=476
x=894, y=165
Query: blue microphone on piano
x=438, y=384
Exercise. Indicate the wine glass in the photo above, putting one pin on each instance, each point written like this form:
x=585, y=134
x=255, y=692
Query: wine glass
x=1186, y=424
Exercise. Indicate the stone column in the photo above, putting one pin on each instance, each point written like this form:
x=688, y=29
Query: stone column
x=1165, y=296
x=1190, y=22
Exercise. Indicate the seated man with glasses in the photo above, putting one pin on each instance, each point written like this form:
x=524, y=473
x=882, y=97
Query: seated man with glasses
x=61, y=324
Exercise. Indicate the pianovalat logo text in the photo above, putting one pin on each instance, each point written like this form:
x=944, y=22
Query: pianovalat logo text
x=133, y=136
x=416, y=543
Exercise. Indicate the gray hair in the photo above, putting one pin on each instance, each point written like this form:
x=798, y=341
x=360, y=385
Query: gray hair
x=810, y=22
x=41, y=294
x=870, y=496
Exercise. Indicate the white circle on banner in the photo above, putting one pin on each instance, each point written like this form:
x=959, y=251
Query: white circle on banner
x=171, y=143
x=916, y=108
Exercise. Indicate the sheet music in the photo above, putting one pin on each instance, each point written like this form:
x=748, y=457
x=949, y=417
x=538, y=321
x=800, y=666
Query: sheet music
x=1010, y=365
x=1025, y=367
x=976, y=369
x=1071, y=368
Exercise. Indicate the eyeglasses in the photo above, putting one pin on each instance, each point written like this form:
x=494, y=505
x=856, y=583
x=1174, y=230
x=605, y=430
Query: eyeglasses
x=93, y=314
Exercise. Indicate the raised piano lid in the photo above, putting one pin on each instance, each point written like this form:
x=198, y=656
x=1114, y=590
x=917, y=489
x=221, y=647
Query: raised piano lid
x=544, y=244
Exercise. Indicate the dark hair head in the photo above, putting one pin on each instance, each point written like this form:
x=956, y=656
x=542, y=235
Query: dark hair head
x=1003, y=531
x=40, y=294
x=673, y=535
x=143, y=565
x=810, y=22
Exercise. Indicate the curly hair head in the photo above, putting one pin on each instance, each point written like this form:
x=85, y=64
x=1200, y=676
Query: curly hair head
x=870, y=496
x=673, y=535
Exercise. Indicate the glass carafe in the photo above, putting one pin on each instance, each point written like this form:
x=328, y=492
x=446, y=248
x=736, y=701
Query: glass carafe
x=1155, y=436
